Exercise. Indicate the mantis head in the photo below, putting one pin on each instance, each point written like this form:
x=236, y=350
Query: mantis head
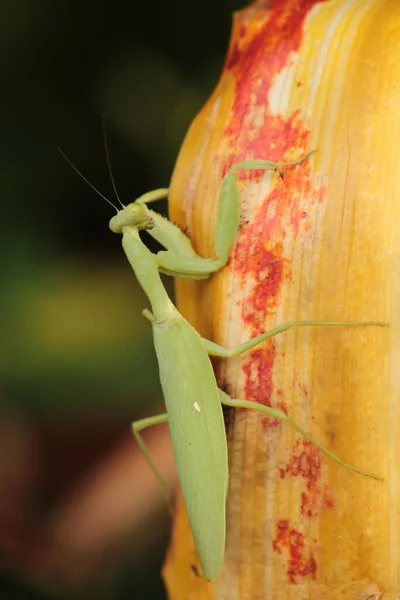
x=133, y=215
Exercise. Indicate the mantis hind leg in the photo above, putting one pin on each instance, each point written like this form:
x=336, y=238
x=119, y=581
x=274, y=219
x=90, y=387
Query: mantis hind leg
x=279, y=414
x=137, y=426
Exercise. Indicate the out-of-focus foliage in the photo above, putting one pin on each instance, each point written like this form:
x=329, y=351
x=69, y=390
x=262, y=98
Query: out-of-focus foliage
x=73, y=343
x=70, y=317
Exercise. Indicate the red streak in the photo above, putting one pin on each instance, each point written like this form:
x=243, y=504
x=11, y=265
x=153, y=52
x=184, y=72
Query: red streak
x=305, y=462
x=263, y=47
x=259, y=52
x=301, y=562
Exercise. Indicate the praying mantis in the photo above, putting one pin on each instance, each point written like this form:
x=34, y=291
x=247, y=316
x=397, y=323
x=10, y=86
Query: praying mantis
x=192, y=397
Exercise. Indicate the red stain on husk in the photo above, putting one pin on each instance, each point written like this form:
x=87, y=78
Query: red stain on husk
x=301, y=562
x=327, y=500
x=267, y=269
x=305, y=462
x=263, y=47
x=258, y=384
x=258, y=54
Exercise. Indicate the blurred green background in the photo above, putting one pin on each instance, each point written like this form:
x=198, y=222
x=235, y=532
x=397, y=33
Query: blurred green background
x=77, y=363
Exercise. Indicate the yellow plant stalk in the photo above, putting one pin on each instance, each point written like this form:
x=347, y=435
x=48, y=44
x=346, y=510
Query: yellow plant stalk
x=323, y=243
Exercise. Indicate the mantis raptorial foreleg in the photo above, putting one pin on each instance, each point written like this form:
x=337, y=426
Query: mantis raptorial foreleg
x=180, y=259
x=137, y=427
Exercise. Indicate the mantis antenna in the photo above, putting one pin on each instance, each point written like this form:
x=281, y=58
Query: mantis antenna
x=65, y=157
x=148, y=197
x=103, y=126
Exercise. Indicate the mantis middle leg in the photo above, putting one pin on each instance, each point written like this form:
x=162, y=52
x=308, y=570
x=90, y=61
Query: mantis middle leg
x=214, y=349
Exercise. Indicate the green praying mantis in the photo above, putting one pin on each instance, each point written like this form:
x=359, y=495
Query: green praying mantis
x=192, y=396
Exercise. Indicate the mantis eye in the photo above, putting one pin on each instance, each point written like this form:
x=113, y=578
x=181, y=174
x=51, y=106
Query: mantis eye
x=139, y=217
x=135, y=213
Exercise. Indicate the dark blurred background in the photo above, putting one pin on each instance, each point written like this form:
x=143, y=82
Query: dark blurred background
x=80, y=514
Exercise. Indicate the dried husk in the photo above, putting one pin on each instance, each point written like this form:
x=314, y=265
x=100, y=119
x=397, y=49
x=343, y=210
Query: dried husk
x=323, y=243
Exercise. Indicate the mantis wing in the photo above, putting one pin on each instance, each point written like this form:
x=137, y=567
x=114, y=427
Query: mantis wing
x=198, y=434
